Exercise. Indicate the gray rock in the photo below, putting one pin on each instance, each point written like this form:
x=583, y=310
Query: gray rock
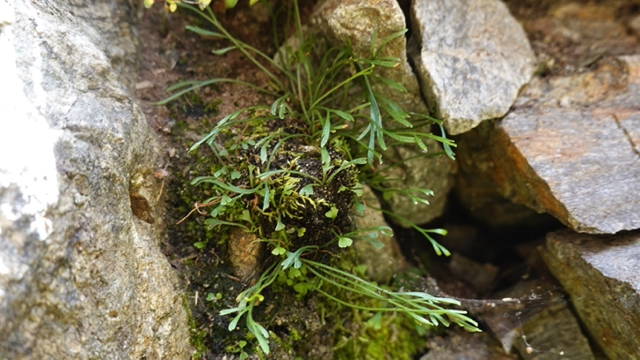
x=81, y=274
x=578, y=141
x=464, y=345
x=601, y=274
x=570, y=146
x=382, y=264
x=473, y=59
x=354, y=22
x=415, y=171
x=536, y=320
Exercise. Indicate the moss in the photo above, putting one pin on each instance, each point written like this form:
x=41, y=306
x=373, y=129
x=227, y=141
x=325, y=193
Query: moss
x=197, y=336
x=358, y=334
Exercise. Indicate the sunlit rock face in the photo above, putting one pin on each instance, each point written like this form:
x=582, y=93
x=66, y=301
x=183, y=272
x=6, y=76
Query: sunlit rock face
x=81, y=275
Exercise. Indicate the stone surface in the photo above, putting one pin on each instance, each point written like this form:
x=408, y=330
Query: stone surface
x=355, y=21
x=474, y=57
x=81, y=274
x=382, y=264
x=600, y=272
x=569, y=148
x=464, y=345
x=535, y=319
x=479, y=276
x=415, y=170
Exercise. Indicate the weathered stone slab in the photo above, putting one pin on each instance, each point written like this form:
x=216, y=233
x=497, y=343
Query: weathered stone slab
x=474, y=58
x=600, y=272
x=81, y=274
x=569, y=148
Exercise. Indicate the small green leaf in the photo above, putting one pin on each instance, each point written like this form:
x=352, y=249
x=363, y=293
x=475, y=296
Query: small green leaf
x=375, y=243
x=344, y=242
x=210, y=297
x=294, y=273
x=302, y=288
x=301, y=231
x=306, y=190
x=223, y=50
x=200, y=245
x=331, y=214
x=343, y=115
x=265, y=203
x=230, y=3
x=375, y=322
x=278, y=250
x=326, y=131
x=235, y=175
x=246, y=216
x=357, y=189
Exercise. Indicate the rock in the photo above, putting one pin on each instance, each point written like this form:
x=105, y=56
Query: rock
x=481, y=165
x=382, y=264
x=600, y=273
x=354, y=22
x=479, y=276
x=569, y=148
x=474, y=57
x=465, y=345
x=81, y=274
x=413, y=171
x=244, y=253
x=536, y=321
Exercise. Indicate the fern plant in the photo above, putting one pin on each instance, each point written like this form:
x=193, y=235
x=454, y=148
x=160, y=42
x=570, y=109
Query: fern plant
x=291, y=171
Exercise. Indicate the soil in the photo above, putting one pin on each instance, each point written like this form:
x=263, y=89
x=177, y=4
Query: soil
x=170, y=54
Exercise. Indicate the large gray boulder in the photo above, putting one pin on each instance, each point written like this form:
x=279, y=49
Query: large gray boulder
x=81, y=274
x=473, y=59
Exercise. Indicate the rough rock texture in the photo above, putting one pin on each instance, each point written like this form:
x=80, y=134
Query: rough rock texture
x=467, y=346
x=81, y=275
x=570, y=146
x=543, y=317
x=570, y=149
x=244, y=253
x=601, y=274
x=413, y=170
x=473, y=59
x=382, y=264
x=356, y=20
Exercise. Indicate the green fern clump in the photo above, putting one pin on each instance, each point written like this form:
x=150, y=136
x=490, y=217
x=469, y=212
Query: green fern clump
x=290, y=172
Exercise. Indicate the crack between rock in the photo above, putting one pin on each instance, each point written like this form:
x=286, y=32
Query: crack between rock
x=626, y=133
